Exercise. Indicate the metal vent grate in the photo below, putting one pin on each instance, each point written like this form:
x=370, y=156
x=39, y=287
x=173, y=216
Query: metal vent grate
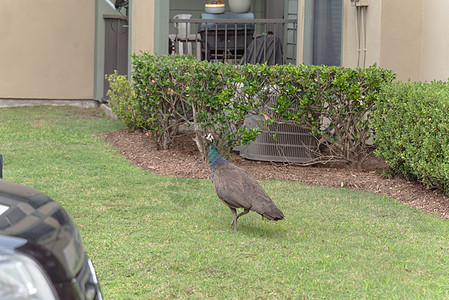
x=280, y=143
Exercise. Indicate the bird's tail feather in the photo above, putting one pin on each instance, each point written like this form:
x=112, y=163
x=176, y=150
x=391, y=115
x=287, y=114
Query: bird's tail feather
x=273, y=213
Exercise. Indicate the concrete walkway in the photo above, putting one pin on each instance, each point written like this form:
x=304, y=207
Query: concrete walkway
x=55, y=102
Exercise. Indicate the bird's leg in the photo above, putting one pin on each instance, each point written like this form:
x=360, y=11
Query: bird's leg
x=234, y=218
x=244, y=212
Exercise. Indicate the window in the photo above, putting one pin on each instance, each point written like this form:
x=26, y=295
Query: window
x=322, y=32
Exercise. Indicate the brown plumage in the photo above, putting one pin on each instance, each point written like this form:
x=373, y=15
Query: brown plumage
x=239, y=189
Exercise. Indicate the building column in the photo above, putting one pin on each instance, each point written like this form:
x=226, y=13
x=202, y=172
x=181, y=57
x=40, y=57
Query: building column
x=149, y=26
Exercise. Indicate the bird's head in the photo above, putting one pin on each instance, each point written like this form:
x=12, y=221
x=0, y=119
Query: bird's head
x=210, y=138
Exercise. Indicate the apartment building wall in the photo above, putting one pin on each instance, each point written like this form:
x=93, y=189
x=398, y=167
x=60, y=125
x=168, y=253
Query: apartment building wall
x=393, y=33
x=435, y=41
x=410, y=37
x=47, y=49
x=356, y=52
x=142, y=28
x=401, y=38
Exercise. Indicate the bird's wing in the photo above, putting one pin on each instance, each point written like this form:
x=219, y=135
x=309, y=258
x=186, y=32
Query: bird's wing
x=240, y=189
x=230, y=183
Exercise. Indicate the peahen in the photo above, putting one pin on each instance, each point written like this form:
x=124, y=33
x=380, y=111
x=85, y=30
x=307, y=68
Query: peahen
x=239, y=189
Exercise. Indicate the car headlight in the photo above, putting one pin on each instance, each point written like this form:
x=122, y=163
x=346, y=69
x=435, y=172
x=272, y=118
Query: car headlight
x=22, y=278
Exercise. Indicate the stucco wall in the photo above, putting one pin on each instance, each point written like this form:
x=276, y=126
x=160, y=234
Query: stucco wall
x=410, y=37
x=47, y=49
x=401, y=42
x=435, y=61
x=351, y=48
x=142, y=23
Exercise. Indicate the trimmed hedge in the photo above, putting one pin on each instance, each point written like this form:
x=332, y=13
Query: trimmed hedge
x=180, y=90
x=412, y=131
x=170, y=91
x=324, y=99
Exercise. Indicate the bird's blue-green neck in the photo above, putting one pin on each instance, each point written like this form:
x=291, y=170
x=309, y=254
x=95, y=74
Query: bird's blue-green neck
x=215, y=159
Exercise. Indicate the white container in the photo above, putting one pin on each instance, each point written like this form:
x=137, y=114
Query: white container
x=214, y=8
x=182, y=29
x=239, y=6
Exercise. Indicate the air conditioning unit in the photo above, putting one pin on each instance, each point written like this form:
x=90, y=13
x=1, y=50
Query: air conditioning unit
x=280, y=142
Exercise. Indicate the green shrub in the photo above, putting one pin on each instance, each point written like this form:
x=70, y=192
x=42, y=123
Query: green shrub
x=323, y=99
x=412, y=131
x=160, y=87
x=122, y=100
x=171, y=91
x=175, y=90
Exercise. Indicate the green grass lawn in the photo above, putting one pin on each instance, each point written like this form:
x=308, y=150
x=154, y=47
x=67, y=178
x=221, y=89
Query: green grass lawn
x=151, y=236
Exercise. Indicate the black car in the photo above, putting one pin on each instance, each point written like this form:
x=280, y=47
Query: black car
x=41, y=253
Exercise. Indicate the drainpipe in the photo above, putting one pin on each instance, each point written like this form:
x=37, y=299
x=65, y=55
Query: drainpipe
x=360, y=30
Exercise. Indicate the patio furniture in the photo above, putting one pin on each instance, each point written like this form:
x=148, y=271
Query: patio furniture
x=224, y=41
x=190, y=45
x=264, y=49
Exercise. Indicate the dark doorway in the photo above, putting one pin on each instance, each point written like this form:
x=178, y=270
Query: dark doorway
x=116, y=48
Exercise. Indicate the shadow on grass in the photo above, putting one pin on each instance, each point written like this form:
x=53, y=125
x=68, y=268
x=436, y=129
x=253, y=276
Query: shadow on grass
x=259, y=228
